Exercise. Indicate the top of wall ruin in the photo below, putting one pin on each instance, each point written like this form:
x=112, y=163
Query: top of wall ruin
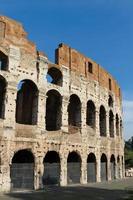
x=12, y=32
x=77, y=62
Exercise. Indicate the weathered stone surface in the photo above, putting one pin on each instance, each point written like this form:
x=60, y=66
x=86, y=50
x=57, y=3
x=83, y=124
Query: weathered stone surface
x=25, y=63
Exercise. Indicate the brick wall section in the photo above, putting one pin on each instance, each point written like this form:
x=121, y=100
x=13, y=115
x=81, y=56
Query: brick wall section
x=77, y=62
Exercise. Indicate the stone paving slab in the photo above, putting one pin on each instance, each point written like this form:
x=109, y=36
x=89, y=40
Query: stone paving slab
x=116, y=190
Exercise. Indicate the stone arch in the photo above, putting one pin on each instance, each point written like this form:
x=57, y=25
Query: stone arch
x=118, y=167
x=112, y=167
x=53, y=110
x=54, y=76
x=121, y=127
x=74, y=111
x=27, y=102
x=51, y=168
x=91, y=168
x=111, y=123
x=103, y=167
x=3, y=61
x=22, y=170
x=102, y=121
x=3, y=86
x=91, y=114
x=117, y=124
x=110, y=101
x=73, y=167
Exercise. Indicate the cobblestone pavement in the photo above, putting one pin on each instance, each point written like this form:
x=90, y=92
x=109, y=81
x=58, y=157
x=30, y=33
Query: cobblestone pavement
x=116, y=190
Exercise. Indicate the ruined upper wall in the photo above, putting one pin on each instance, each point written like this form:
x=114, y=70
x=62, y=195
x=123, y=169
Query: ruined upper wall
x=12, y=32
x=78, y=63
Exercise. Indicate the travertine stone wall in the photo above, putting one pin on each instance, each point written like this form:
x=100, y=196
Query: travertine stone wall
x=22, y=65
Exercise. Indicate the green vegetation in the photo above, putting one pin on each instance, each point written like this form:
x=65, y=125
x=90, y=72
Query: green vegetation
x=129, y=153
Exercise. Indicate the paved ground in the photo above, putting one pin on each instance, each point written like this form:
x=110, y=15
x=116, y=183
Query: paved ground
x=117, y=190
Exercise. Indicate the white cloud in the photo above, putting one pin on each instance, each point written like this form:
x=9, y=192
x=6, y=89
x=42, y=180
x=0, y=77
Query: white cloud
x=128, y=118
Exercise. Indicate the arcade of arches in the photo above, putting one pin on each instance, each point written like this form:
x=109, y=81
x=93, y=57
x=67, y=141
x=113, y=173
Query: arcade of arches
x=23, y=172
x=27, y=102
x=60, y=123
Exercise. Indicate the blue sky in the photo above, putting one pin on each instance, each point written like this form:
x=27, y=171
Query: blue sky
x=100, y=29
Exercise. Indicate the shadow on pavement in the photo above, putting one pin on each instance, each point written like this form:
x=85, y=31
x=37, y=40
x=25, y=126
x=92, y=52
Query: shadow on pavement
x=72, y=193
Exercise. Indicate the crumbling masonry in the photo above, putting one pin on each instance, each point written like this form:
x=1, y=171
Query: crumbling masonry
x=59, y=123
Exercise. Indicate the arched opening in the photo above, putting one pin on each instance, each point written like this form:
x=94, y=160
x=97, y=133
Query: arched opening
x=54, y=76
x=53, y=110
x=91, y=168
x=3, y=61
x=74, y=111
x=22, y=170
x=117, y=125
x=3, y=85
x=118, y=167
x=27, y=103
x=91, y=114
x=121, y=127
x=110, y=101
x=102, y=121
x=103, y=167
x=111, y=124
x=112, y=163
x=73, y=168
x=51, y=168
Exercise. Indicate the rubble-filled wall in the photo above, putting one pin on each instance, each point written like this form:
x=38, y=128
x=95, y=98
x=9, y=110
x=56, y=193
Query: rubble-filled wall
x=59, y=123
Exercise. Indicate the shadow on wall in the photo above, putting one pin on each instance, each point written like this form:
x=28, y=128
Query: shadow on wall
x=71, y=193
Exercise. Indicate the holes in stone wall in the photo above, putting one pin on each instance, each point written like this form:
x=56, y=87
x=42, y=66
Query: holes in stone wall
x=90, y=118
x=27, y=103
x=54, y=76
x=53, y=110
x=102, y=121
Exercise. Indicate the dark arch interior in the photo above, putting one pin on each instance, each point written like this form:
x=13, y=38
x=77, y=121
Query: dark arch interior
x=111, y=124
x=121, y=127
x=103, y=158
x=90, y=118
x=91, y=168
x=23, y=156
x=118, y=159
x=52, y=157
x=54, y=76
x=22, y=170
x=112, y=162
x=51, y=174
x=3, y=61
x=73, y=167
x=73, y=157
x=91, y=158
x=103, y=167
x=117, y=124
x=74, y=111
x=112, y=159
x=53, y=111
x=2, y=96
x=110, y=101
x=102, y=121
x=27, y=103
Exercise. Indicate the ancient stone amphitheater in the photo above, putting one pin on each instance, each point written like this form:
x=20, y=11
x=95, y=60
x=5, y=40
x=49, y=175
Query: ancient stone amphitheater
x=59, y=123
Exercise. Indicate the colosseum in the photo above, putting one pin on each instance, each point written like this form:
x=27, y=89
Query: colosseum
x=60, y=123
